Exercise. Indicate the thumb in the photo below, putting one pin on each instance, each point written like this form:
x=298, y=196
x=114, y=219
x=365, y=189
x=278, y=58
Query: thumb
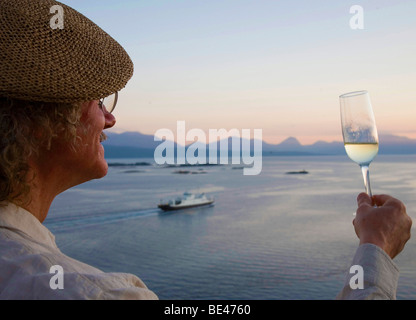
x=364, y=199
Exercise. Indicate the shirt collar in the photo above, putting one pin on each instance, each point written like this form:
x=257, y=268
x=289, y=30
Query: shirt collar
x=17, y=218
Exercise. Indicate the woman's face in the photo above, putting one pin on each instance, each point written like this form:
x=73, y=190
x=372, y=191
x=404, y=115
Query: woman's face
x=86, y=161
x=90, y=152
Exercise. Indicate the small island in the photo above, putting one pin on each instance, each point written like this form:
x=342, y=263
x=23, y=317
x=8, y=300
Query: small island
x=297, y=172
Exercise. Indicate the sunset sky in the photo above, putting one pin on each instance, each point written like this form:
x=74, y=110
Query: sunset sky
x=275, y=65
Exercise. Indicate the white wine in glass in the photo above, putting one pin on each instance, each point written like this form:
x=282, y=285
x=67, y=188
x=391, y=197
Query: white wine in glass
x=359, y=131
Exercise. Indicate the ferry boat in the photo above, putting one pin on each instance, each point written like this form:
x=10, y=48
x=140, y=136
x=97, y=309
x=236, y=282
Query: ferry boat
x=188, y=200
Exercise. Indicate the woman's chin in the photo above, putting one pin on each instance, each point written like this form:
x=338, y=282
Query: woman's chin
x=102, y=169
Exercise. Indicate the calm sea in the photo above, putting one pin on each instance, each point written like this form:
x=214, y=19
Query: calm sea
x=271, y=236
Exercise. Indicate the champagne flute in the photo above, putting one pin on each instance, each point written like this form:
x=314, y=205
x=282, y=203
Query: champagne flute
x=359, y=131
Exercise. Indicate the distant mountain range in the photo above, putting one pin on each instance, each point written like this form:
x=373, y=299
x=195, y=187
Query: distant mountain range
x=138, y=145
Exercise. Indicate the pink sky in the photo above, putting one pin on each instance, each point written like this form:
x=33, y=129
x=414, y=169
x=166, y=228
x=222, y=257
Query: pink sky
x=278, y=66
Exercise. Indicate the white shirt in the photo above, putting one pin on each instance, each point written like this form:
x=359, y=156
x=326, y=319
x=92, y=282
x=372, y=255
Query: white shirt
x=27, y=253
x=380, y=275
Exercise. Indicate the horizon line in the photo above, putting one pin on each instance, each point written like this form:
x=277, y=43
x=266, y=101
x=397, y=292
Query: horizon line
x=265, y=140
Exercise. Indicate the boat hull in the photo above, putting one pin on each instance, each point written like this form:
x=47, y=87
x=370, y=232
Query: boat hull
x=169, y=207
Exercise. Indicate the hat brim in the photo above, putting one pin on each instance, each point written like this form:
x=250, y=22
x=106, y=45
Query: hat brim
x=79, y=62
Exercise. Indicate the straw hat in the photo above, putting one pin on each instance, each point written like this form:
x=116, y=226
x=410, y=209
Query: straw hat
x=79, y=62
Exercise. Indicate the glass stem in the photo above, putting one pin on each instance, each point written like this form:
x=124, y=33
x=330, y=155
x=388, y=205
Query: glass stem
x=366, y=175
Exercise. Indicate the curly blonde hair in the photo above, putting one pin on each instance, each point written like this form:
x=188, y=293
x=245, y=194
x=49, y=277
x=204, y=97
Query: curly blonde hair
x=25, y=128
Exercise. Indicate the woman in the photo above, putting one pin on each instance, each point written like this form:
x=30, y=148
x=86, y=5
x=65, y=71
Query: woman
x=52, y=116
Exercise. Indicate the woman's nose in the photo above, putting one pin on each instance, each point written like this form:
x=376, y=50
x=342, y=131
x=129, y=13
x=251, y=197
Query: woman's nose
x=110, y=120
